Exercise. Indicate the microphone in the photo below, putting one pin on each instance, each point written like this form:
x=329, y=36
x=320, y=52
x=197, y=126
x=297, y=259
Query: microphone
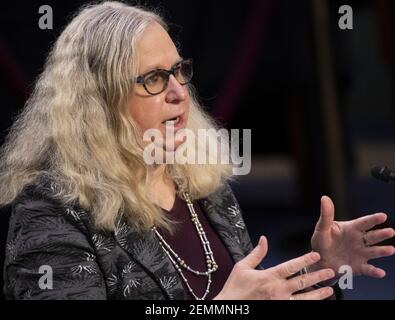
x=383, y=173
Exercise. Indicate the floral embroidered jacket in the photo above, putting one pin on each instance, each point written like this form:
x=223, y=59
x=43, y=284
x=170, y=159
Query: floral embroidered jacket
x=90, y=264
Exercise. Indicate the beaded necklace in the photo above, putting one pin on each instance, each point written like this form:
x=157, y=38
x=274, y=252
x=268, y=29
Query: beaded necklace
x=178, y=262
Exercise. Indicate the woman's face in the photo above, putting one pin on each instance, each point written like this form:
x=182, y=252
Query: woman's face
x=156, y=50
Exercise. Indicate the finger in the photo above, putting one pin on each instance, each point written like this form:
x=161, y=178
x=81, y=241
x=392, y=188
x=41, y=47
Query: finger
x=327, y=215
x=368, y=222
x=319, y=294
x=372, y=271
x=377, y=236
x=307, y=280
x=380, y=251
x=256, y=256
x=286, y=269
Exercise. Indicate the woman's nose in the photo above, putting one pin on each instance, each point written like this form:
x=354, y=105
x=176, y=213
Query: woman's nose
x=175, y=91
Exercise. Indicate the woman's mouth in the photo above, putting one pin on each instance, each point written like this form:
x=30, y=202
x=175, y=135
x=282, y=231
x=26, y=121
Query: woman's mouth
x=172, y=122
x=177, y=122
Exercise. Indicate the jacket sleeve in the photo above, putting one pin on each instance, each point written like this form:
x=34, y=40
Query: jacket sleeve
x=48, y=256
x=239, y=223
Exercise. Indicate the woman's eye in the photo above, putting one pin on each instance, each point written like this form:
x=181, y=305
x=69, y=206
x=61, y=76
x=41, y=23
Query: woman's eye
x=177, y=70
x=152, y=79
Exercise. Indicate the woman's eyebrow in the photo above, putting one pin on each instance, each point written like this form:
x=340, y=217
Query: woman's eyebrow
x=158, y=66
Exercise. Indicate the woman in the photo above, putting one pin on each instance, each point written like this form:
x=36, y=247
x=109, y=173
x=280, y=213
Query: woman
x=92, y=220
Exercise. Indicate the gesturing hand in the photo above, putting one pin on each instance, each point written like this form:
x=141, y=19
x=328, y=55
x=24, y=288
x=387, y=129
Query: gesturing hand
x=246, y=283
x=350, y=242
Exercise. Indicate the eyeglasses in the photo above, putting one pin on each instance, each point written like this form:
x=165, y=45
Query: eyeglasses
x=156, y=81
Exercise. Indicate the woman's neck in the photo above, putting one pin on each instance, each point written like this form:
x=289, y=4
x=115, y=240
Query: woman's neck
x=162, y=189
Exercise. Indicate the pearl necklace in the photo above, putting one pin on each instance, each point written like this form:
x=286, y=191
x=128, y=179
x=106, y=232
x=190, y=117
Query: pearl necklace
x=178, y=262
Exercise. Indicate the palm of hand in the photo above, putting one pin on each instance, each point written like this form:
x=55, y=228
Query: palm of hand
x=343, y=243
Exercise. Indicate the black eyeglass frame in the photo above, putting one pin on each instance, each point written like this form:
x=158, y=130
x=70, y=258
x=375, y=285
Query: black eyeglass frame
x=141, y=79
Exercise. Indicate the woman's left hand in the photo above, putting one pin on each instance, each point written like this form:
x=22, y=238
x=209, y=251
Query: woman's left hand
x=350, y=242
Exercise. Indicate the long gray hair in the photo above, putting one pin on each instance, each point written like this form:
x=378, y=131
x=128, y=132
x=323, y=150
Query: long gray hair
x=77, y=128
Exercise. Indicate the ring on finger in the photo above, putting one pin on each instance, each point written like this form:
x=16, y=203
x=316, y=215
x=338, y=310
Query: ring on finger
x=365, y=242
x=301, y=284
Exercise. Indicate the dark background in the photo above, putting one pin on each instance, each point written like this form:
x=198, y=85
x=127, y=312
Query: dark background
x=320, y=102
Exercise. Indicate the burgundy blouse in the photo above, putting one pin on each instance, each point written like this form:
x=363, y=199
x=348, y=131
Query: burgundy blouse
x=186, y=243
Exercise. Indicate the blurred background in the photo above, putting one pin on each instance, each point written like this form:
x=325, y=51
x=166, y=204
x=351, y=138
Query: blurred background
x=320, y=102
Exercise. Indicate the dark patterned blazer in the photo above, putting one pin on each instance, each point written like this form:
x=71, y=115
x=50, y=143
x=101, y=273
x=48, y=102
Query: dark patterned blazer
x=92, y=264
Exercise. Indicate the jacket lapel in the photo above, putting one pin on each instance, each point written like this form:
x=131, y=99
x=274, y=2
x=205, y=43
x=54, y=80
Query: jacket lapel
x=146, y=250
x=218, y=210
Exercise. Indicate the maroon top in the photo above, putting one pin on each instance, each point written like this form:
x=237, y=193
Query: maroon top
x=186, y=243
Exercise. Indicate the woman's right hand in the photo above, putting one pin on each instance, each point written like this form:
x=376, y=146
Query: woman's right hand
x=246, y=283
